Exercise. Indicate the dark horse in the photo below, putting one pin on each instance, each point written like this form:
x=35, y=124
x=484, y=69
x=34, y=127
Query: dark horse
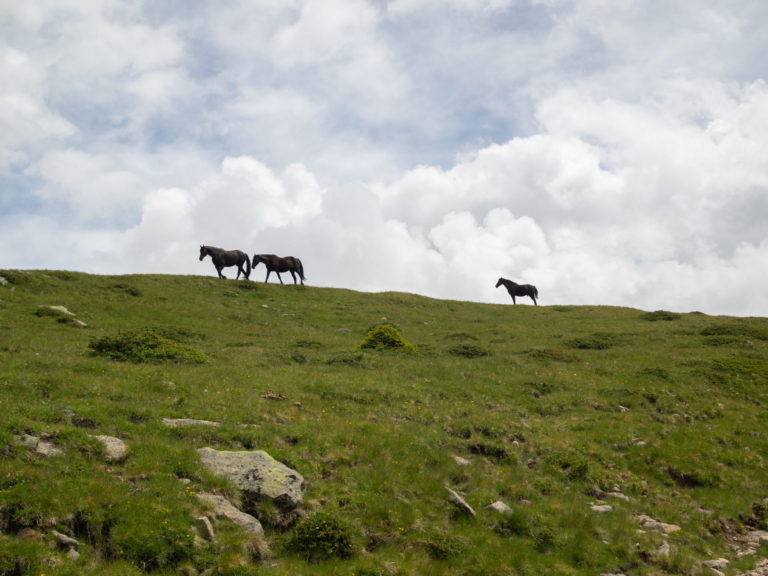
x=515, y=289
x=222, y=258
x=276, y=264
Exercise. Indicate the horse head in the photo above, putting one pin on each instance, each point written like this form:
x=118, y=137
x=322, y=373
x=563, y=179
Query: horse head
x=203, y=251
x=500, y=282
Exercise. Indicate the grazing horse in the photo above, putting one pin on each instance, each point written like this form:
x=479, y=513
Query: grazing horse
x=277, y=264
x=222, y=258
x=515, y=289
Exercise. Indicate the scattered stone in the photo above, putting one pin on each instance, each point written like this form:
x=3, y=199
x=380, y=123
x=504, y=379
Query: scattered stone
x=73, y=554
x=258, y=475
x=60, y=309
x=718, y=564
x=760, y=570
x=758, y=537
x=223, y=507
x=460, y=503
x=618, y=496
x=178, y=422
x=601, y=508
x=4, y=281
x=499, y=506
x=651, y=524
x=65, y=541
x=461, y=461
x=205, y=526
x=39, y=446
x=114, y=448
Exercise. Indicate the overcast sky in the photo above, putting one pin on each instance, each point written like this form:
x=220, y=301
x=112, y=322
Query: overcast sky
x=608, y=151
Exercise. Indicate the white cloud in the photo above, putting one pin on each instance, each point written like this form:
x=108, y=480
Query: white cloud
x=608, y=152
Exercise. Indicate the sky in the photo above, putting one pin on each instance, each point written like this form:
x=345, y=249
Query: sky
x=611, y=152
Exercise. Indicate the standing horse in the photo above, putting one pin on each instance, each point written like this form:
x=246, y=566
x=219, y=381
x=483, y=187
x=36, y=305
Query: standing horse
x=277, y=264
x=222, y=258
x=516, y=289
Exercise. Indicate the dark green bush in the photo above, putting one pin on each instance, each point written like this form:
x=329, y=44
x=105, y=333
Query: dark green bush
x=660, y=315
x=321, y=536
x=385, y=337
x=145, y=346
x=513, y=523
x=468, y=351
x=599, y=341
x=442, y=546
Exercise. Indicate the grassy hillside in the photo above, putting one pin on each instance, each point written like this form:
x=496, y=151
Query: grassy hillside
x=555, y=410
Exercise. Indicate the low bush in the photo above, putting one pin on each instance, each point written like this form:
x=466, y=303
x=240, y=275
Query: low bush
x=468, y=351
x=385, y=337
x=145, y=346
x=660, y=315
x=321, y=536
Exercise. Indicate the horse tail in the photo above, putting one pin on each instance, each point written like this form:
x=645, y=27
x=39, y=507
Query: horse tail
x=535, y=291
x=301, y=269
x=247, y=265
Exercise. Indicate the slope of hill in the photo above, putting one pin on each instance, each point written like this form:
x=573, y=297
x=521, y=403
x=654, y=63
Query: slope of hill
x=608, y=440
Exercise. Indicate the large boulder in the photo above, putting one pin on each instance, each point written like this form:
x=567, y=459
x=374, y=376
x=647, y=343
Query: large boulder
x=258, y=475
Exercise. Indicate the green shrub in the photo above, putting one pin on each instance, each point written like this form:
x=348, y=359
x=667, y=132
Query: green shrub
x=660, y=315
x=385, y=337
x=145, y=346
x=599, y=341
x=513, y=523
x=321, y=536
x=468, y=351
x=442, y=546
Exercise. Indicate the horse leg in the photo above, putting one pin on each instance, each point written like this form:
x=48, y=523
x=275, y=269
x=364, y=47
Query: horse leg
x=218, y=269
x=268, y=273
x=278, y=276
x=293, y=275
x=239, y=269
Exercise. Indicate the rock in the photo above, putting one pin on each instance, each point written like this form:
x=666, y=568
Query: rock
x=73, y=554
x=258, y=475
x=460, y=503
x=758, y=537
x=651, y=524
x=4, y=281
x=39, y=446
x=65, y=541
x=760, y=570
x=499, y=506
x=114, y=448
x=223, y=507
x=60, y=309
x=205, y=526
x=178, y=422
x=461, y=461
x=718, y=564
x=618, y=496
x=601, y=508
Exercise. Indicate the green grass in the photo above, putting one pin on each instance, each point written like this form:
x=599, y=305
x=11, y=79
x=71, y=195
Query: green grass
x=553, y=407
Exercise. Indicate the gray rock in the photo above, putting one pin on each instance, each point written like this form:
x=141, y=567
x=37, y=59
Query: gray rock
x=461, y=461
x=651, y=524
x=205, y=526
x=224, y=508
x=601, y=508
x=65, y=541
x=500, y=507
x=114, y=448
x=719, y=564
x=178, y=422
x=460, y=503
x=258, y=475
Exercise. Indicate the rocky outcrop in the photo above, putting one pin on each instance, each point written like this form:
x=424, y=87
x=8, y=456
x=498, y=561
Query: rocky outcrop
x=224, y=508
x=258, y=475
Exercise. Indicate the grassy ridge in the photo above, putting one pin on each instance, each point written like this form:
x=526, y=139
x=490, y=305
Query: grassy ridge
x=554, y=407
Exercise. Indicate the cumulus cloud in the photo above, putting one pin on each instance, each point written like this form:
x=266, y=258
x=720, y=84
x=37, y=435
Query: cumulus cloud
x=610, y=153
